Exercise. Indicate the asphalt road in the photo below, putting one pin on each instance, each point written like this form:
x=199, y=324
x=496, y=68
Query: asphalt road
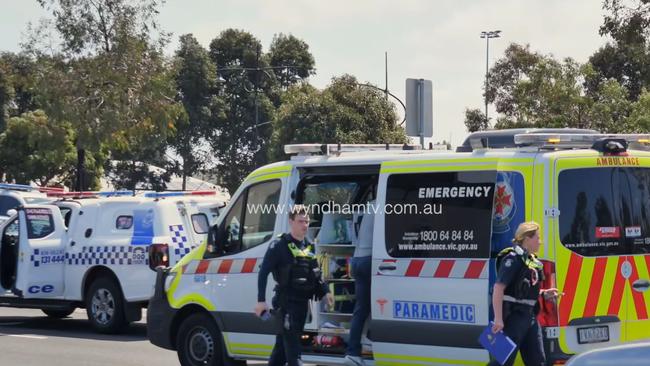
x=29, y=338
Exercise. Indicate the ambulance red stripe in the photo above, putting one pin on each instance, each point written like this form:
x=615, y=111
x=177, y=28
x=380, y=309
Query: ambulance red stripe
x=249, y=265
x=617, y=292
x=444, y=268
x=639, y=300
x=415, y=267
x=202, y=267
x=475, y=269
x=225, y=265
x=570, y=285
x=595, y=287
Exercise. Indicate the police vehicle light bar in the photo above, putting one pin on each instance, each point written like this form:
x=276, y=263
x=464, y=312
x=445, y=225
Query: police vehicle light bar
x=550, y=140
x=178, y=194
x=27, y=188
x=83, y=194
x=330, y=149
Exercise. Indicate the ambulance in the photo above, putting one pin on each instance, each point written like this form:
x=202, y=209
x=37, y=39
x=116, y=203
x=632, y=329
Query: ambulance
x=443, y=217
x=91, y=250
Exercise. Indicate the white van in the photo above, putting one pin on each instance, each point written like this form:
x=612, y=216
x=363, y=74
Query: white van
x=89, y=251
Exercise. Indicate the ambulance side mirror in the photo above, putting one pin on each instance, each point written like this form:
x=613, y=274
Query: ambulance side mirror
x=11, y=212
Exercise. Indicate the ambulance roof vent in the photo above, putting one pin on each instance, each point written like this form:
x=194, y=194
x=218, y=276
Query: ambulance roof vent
x=503, y=139
x=337, y=149
x=607, y=143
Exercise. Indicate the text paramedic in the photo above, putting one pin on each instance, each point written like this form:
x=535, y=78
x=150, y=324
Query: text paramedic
x=455, y=192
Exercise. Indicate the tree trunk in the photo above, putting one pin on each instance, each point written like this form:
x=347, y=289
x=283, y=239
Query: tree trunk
x=81, y=169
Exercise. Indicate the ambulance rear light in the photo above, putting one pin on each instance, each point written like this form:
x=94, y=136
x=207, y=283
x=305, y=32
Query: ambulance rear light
x=179, y=194
x=597, y=141
x=158, y=256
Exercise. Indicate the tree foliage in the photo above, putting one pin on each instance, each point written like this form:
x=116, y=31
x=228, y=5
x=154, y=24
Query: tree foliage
x=345, y=112
x=34, y=148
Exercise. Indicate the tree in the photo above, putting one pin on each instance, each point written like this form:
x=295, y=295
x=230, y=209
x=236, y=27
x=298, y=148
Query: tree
x=345, y=112
x=196, y=83
x=238, y=137
x=626, y=57
x=109, y=75
x=475, y=120
x=33, y=148
x=291, y=59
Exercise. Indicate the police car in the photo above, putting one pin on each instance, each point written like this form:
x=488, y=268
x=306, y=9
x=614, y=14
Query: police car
x=92, y=249
x=443, y=217
x=14, y=195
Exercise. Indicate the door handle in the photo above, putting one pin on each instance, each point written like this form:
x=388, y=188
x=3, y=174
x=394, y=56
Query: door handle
x=387, y=267
x=641, y=285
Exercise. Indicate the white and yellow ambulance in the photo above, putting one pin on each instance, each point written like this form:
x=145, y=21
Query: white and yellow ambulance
x=442, y=218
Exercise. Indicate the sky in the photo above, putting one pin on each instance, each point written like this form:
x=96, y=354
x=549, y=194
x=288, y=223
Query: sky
x=437, y=40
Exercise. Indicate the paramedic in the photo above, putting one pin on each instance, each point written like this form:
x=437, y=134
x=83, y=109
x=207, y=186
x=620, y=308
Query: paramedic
x=362, y=273
x=516, y=291
x=291, y=260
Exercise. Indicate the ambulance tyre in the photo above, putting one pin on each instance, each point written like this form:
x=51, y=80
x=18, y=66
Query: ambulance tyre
x=105, y=306
x=199, y=342
x=58, y=313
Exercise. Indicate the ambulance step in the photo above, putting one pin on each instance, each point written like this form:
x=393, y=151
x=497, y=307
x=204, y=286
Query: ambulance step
x=14, y=301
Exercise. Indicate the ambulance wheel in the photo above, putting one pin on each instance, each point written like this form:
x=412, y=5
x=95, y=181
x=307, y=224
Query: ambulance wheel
x=58, y=313
x=199, y=342
x=105, y=306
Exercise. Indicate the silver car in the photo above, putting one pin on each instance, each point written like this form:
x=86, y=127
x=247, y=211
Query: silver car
x=631, y=354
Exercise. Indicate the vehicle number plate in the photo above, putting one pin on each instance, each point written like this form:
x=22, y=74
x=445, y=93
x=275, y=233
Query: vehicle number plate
x=593, y=334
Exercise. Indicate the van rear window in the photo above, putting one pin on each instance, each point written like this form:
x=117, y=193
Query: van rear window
x=39, y=222
x=605, y=211
x=439, y=215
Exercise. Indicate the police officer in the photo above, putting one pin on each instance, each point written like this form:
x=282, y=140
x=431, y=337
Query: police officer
x=516, y=291
x=291, y=260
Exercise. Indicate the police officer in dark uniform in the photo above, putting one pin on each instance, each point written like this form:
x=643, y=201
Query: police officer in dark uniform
x=516, y=291
x=291, y=260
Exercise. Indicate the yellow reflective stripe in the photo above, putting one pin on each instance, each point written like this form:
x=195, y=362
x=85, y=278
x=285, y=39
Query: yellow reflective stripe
x=583, y=288
x=251, y=353
x=383, y=359
x=607, y=289
x=192, y=298
x=456, y=161
x=435, y=168
x=535, y=208
x=592, y=162
x=265, y=171
x=268, y=177
x=252, y=346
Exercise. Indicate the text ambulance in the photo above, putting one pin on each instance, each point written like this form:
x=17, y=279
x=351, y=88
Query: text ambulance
x=89, y=250
x=442, y=219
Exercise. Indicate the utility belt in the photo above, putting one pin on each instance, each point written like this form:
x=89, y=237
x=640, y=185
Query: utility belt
x=519, y=301
x=514, y=305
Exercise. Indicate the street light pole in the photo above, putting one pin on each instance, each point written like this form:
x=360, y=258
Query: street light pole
x=487, y=35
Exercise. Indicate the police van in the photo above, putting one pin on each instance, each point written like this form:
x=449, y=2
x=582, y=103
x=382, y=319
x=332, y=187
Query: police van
x=14, y=195
x=91, y=250
x=443, y=217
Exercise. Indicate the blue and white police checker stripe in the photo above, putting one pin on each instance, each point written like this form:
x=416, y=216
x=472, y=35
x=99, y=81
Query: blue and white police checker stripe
x=179, y=240
x=109, y=255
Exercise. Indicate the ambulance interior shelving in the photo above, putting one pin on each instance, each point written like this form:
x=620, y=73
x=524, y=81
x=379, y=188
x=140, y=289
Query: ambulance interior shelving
x=337, y=201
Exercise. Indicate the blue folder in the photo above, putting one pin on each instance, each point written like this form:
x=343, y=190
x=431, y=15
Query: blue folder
x=499, y=345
